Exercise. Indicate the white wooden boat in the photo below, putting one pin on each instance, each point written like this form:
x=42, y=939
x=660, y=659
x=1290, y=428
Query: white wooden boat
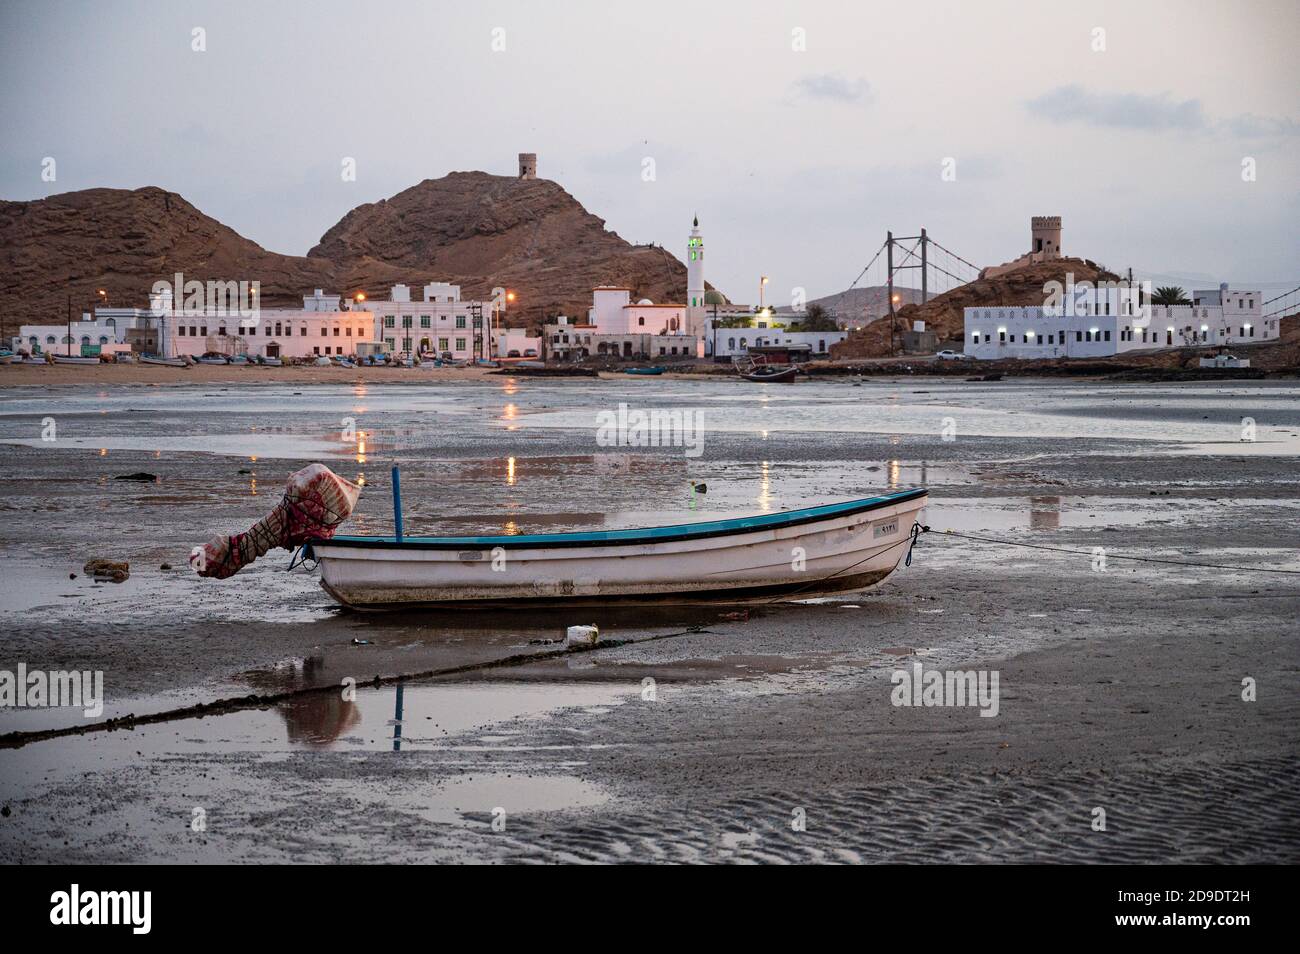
x=8, y=357
x=73, y=359
x=794, y=554
x=166, y=362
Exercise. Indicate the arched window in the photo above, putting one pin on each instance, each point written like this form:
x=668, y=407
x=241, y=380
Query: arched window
x=49, y=339
x=110, y=322
x=731, y=344
x=103, y=339
x=743, y=343
x=34, y=341
x=85, y=339
x=67, y=339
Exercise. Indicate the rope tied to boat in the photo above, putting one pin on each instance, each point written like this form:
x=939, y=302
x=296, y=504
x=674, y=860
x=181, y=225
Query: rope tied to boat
x=918, y=528
x=315, y=502
x=1109, y=554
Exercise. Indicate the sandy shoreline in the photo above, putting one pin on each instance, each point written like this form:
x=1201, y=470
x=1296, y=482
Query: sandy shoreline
x=109, y=374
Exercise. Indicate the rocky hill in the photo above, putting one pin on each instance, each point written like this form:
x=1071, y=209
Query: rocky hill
x=861, y=305
x=944, y=313
x=468, y=228
x=67, y=247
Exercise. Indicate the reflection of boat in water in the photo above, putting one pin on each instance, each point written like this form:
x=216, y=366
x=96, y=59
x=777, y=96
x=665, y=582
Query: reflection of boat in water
x=310, y=718
x=839, y=547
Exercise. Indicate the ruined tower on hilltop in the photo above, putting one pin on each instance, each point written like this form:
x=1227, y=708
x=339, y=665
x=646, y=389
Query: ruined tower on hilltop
x=528, y=165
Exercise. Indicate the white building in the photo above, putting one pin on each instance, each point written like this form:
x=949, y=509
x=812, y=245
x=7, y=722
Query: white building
x=107, y=327
x=323, y=326
x=612, y=313
x=1093, y=322
x=734, y=342
x=442, y=323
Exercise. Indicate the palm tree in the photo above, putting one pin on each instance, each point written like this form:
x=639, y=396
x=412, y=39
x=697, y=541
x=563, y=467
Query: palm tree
x=1170, y=295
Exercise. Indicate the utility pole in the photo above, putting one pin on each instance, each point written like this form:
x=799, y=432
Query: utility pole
x=889, y=270
x=925, y=295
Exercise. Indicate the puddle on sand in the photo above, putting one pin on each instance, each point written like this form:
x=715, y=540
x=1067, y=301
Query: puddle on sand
x=406, y=718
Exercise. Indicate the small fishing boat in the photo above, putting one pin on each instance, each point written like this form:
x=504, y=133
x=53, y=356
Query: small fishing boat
x=270, y=362
x=8, y=357
x=795, y=554
x=212, y=357
x=239, y=359
x=655, y=370
x=74, y=359
x=771, y=374
x=164, y=362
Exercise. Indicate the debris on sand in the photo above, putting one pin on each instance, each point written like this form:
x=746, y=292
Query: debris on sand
x=114, y=571
x=149, y=478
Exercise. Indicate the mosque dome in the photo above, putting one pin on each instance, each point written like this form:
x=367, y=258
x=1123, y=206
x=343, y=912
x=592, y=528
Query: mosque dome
x=714, y=297
x=645, y=301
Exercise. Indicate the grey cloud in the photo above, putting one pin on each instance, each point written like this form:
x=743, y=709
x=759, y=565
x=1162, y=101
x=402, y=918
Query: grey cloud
x=834, y=87
x=1117, y=110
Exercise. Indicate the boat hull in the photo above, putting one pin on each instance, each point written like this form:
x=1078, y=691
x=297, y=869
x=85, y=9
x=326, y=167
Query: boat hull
x=846, y=551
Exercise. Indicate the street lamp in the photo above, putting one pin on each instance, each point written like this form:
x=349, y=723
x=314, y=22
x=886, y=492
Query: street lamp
x=762, y=284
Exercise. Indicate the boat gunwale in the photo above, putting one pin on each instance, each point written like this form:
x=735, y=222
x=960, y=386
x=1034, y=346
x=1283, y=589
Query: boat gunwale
x=631, y=536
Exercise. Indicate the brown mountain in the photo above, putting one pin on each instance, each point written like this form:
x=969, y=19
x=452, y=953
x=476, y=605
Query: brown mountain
x=469, y=228
x=945, y=315
x=65, y=248
x=482, y=231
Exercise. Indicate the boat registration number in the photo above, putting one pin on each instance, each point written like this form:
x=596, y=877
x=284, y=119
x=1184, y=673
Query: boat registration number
x=885, y=529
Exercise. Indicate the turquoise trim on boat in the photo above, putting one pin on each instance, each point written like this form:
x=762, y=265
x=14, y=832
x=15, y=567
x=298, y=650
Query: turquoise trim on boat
x=681, y=531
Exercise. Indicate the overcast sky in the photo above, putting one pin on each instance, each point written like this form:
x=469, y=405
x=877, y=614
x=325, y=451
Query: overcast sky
x=796, y=160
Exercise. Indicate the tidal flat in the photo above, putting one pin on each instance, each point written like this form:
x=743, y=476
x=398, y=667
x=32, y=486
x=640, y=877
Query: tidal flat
x=764, y=732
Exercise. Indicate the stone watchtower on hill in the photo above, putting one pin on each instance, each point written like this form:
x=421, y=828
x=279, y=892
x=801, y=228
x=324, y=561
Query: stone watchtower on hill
x=1046, y=233
x=528, y=169
x=1044, y=246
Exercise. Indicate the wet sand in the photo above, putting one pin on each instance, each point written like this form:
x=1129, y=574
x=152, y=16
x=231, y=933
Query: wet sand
x=1120, y=689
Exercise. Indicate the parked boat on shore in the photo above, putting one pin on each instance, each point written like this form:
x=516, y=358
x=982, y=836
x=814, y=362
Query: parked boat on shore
x=74, y=359
x=771, y=374
x=654, y=370
x=794, y=554
x=164, y=362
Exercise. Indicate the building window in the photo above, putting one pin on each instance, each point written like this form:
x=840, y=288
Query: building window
x=315, y=349
x=460, y=321
x=641, y=320
x=336, y=331
x=390, y=321
x=442, y=343
x=1078, y=336
x=181, y=331
x=389, y=343
x=460, y=343
x=325, y=332
x=424, y=321
x=302, y=331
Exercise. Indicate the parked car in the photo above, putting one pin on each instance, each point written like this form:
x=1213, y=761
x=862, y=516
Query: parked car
x=530, y=352
x=512, y=353
x=949, y=355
